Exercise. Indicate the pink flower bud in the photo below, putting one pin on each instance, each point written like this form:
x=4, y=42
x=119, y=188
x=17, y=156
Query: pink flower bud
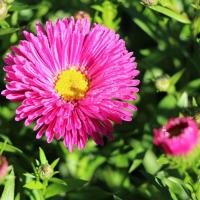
x=178, y=137
x=3, y=167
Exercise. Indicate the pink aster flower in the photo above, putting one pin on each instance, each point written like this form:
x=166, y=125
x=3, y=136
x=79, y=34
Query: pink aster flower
x=3, y=167
x=178, y=137
x=72, y=80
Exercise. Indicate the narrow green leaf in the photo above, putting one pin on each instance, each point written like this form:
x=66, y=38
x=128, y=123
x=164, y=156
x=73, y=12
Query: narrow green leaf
x=54, y=163
x=10, y=148
x=176, y=77
x=170, y=13
x=136, y=163
x=9, y=189
x=8, y=31
x=145, y=28
x=42, y=156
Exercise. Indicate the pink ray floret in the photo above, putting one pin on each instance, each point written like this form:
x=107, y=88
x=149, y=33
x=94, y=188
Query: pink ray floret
x=97, y=52
x=178, y=137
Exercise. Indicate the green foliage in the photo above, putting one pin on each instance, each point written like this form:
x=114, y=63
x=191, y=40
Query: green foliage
x=108, y=16
x=165, y=38
x=9, y=188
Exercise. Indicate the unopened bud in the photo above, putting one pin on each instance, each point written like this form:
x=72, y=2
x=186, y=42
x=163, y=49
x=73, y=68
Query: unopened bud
x=162, y=83
x=3, y=9
x=3, y=167
x=82, y=15
x=45, y=171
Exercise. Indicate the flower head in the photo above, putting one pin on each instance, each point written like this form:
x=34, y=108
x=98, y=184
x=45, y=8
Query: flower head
x=178, y=137
x=45, y=171
x=3, y=167
x=81, y=15
x=162, y=83
x=72, y=80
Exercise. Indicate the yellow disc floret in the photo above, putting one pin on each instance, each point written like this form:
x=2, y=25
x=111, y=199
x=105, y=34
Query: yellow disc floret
x=71, y=85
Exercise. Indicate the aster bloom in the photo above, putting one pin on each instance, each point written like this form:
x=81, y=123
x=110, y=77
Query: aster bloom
x=72, y=80
x=178, y=137
x=3, y=167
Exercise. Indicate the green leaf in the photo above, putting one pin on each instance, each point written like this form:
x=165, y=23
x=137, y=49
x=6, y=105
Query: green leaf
x=136, y=163
x=34, y=185
x=55, y=189
x=145, y=27
x=42, y=156
x=115, y=197
x=192, y=86
x=17, y=197
x=9, y=189
x=16, y=6
x=54, y=163
x=175, y=188
x=8, y=31
x=73, y=183
x=150, y=162
x=57, y=180
x=183, y=100
x=29, y=175
x=176, y=77
x=119, y=160
x=97, y=7
x=170, y=13
x=168, y=102
x=194, y=102
x=10, y=148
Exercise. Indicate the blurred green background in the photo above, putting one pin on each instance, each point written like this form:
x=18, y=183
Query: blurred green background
x=164, y=36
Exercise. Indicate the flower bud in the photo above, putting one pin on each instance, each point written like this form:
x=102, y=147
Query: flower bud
x=178, y=137
x=45, y=171
x=3, y=9
x=162, y=83
x=3, y=167
x=81, y=15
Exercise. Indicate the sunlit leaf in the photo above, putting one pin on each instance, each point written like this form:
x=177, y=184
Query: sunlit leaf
x=170, y=13
x=9, y=188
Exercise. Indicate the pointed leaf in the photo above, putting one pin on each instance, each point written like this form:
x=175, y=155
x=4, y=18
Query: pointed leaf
x=170, y=13
x=42, y=155
x=34, y=185
x=9, y=189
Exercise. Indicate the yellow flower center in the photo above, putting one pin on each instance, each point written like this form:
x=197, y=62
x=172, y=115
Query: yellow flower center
x=71, y=85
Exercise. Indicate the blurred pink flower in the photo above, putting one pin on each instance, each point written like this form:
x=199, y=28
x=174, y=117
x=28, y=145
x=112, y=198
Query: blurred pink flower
x=3, y=167
x=72, y=80
x=178, y=137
